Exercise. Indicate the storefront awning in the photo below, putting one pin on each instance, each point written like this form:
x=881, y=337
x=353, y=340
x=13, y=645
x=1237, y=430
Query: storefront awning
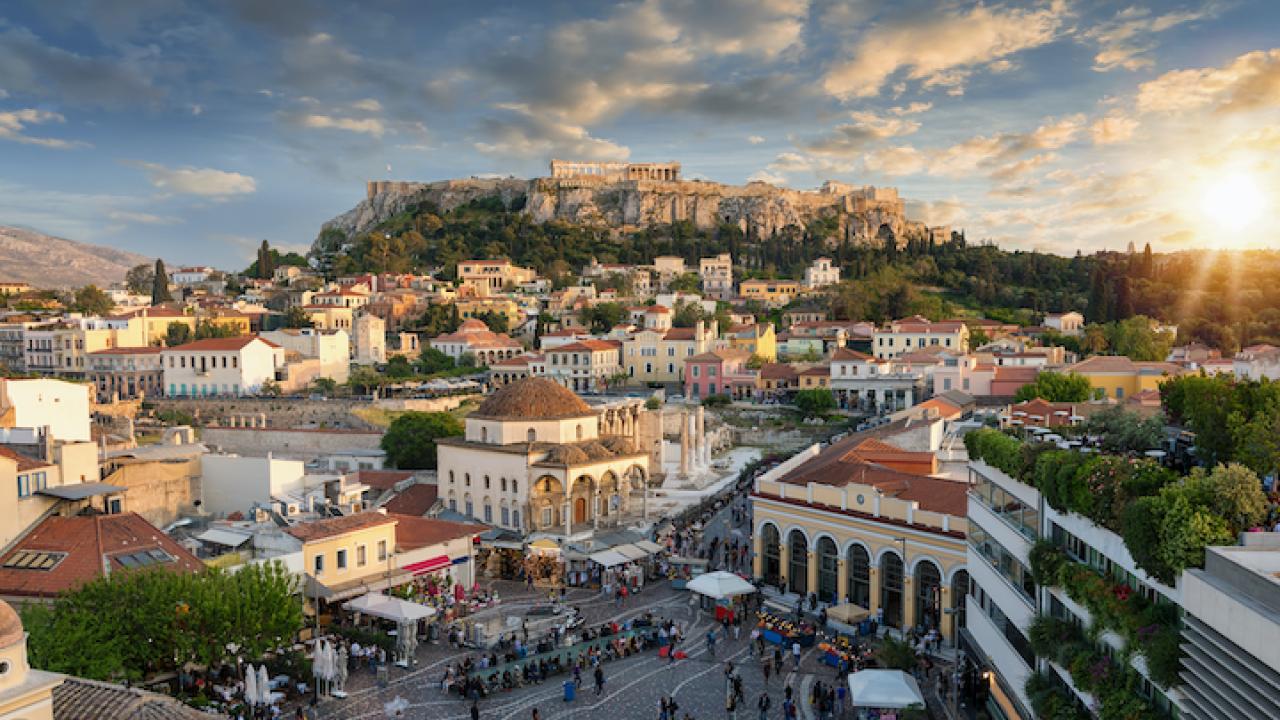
x=649, y=546
x=631, y=552
x=429, y=565
x=352, y=588
x=608, y=558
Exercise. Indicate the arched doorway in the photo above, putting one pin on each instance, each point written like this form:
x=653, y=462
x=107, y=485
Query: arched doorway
x=828, y=570
x=772, y=555
x=798, y=571
x=928, y=595
x=959, y=590
x=891, y=589
x=859, y=563
x=579, y=510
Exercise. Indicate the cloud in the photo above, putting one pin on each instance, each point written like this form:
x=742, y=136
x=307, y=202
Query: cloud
x=206, y=182
x=755, y=139
x=852, y=138
x=365, y=126
x=367, y=105
x=1114, y=128
x=937, y=212
x=13, y=122
x=914, y=108
x=1124, y=40
x=896, y=161
x=821, y=167
x=522, y=134
x=998, y=153
x=141, y=218
x=764, y=28
x=942, y=49
x=30, y=66
x=767, y=176
x=1250, y=82
x=1015, y=170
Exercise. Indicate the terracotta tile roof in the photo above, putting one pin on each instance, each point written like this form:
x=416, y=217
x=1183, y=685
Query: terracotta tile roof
x=415, y=500
x=1104, y=364
x=155, y=311
x=839, y=464
x=1010, y=373
x=333, y=527
x=817, y=371
x=680, y=334
x=588, y=346
x=222, y=344
x=25, y=462
x=81, y=699
x=720, y=355
x=778, y=371
x=417, y=532
x=845, y=354
x=382, y=479
x=657, y=310
x=89, y=542
x=944, y=408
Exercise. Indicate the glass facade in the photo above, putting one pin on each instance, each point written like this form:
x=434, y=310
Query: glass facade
x=1024, y=518
x=1003, y=561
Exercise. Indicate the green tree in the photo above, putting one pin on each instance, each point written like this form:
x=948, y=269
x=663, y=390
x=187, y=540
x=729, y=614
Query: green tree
x=496, y=321
x=270, y=388
x=687, y=314
x=603, y=317
x=1257, y=439
x=177, y=333
x=160, y=284
x=432, y=361
x=686, y=283
x=366, y=380
x=399, y=367
x=139, y=278
x=297, y=317
x=325, y=385
x=1126, y=431
x=1186, y=529
x=815, y=401
x=211, y=329
x=1055, y=387
x=91, y=300
x=410, y=441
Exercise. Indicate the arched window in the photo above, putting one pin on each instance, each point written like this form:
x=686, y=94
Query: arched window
x=515, y=518
x=859, y=564
x=470, y=509
x=772, y=557
x=828, y=570
x=453, y=501
x=503, y=482
x=533, y=435
x=451, y=477
x=798, y=570
x=514, y=487
x=891, y=589
x=928, y=595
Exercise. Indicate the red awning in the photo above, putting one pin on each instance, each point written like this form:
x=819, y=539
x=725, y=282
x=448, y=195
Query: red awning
x=428, y=565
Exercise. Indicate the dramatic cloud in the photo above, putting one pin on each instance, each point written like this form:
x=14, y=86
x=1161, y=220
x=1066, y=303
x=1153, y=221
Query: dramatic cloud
x=1250, y=82
x=1114, y=128
x=1124, y=40
x=937, y=212
x=942, y=49
x=767, y=176
x=28, y=65
x=738, y=27
x=852, y=138
x=13, y=123
x=198, y=181
x=522, y=134
x=997, y=153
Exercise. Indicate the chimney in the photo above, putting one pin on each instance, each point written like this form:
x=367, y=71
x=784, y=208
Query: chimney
x=46, y=433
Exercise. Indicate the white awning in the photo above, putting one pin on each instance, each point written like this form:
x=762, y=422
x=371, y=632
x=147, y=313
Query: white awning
x=884, y=689
x=389, y=608
x=631, y=552
x=649, y=546
x=229, y=538
x=608, y=558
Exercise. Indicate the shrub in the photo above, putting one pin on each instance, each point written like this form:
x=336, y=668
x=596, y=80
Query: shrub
x=1047, y=561
x=996, y=449
x=716, y=401
x=1140, y=525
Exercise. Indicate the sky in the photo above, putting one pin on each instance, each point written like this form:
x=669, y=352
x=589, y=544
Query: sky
x=193, y=130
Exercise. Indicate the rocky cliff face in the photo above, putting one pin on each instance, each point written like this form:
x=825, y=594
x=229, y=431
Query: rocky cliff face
x=759, y=209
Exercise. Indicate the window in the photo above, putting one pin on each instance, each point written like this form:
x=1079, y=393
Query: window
x=24, y=486
x=488, y=513
x=503, y=482
x=466, y=477
x=533, y=435
x=514, y=485
x=695, y=370
x=515, y=518
x=342, y=560
x=382, y=550
x=34, y=560
x=946, y=383
x=361, y=556
x=318, y=565
x=486, y=482
x=471, y=511
x=546, y=517
x=506, y=516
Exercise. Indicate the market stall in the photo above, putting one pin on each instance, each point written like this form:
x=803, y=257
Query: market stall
x=683, y=569
x=780, y=631
x=724, y=589
x=884, y=690
x=849, y=619
x=544, y=564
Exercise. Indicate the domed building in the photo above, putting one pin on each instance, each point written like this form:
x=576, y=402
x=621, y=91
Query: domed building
x=535, y=459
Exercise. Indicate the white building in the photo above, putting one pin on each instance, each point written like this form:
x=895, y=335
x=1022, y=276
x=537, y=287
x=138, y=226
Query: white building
x=61, y=406
x=585, y=366
x=534, y=458
x=220, y=366
x=1067, y=323
x=231, y=483
x=717, y=275
x=914, y=333
x=860, y=381
x=821, y=273
x=369, y=340
x=1257, y=362
x=476, y=339
x=191, y=275
x=332, y=348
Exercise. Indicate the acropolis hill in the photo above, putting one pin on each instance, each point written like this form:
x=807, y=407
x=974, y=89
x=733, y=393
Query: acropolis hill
x=633, y=195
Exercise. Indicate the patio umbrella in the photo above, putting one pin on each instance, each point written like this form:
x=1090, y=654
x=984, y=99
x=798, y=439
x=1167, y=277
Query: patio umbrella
x=318, y=663
x=264, y=685
x=340, y=671
x=251, y=686
x=720, y=585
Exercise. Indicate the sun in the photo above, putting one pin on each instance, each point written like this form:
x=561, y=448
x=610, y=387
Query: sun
x=1234, y=201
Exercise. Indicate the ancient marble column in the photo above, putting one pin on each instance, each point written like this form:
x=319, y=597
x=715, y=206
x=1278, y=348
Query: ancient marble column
x=700, y=437
x=684, y=445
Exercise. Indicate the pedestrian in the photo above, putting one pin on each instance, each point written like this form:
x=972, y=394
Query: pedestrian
x=841, y=692
x=475, y=710
x=577, y=676
x=599, y=680
x=536, y=715
x=795, y=653
x=664, y=709
x=737, y=628
x=755, y=635
x=763, y=705
x=711, y=642
x=768, y=668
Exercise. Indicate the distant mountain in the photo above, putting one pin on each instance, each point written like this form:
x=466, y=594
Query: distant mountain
x=45, y=261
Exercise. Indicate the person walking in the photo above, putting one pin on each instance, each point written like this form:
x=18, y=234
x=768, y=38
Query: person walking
x=475, y=710
x=763, y=704
x=536, y=715
x=795, y=653
x=599, y=680
x=711, y=642
x=768, y=668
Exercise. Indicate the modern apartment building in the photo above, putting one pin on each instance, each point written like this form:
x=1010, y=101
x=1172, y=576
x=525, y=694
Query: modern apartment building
x=717, y=276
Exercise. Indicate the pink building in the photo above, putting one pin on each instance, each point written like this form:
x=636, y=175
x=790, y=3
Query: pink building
x=718, y=372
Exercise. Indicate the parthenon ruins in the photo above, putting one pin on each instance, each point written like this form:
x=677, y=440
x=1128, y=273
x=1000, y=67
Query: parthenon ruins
x=615, y=170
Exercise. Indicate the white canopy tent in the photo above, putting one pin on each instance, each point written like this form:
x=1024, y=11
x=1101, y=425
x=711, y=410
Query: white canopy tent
x=884, y=689
x=720, y=585
x=608, y=558
x=389, y=608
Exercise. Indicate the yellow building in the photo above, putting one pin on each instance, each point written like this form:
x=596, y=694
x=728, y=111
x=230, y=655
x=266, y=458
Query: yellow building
x=774, y=293
x=153, y=323
x=348, y=556
x=818, y=376
x=848, y=530
x=329, y=317
x=915, y=333
x=233, y=320
x=490, y=277
x=1118, y=377
x=758, y=339
x=654, y=355
x=501, y=306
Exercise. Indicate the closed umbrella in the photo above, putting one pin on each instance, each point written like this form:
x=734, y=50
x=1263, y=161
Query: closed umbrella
x=264, y=685
x=251, y=686
x=318, y=661
x=340, y=673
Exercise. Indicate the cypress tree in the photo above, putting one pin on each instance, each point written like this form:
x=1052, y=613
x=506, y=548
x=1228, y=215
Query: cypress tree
x=160, y=285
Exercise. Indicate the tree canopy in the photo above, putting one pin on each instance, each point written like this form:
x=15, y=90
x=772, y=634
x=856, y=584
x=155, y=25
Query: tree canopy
x=91, y=300
x=410, y=441
x=1055, y=387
